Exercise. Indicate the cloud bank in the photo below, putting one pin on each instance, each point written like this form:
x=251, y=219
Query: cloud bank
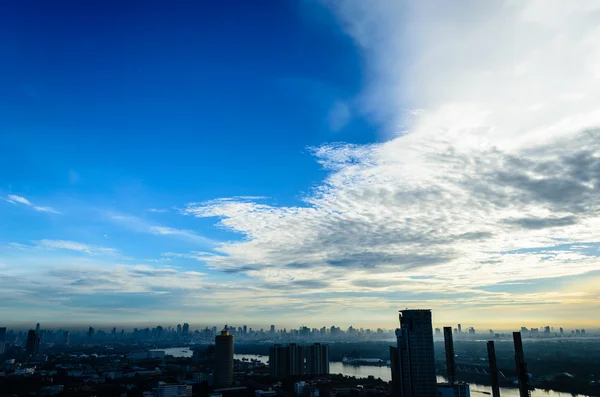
x=498, y=162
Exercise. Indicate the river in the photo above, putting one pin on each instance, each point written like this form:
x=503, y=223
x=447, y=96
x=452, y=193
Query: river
x=363, y=371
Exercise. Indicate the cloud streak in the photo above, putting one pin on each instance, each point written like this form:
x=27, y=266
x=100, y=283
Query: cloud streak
x=14, y=199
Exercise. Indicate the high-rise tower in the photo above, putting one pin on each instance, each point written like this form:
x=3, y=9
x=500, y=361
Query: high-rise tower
x=450, y=363
x=521, y=366
x=493, y=369
x=416, y=361
x=223, y=376
x=33, y=343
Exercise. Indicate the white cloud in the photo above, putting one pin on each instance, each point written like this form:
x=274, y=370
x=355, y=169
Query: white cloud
x=14, y=199
x=142, y=226
x=500, y=157
x=18, y=199
x=65, y=245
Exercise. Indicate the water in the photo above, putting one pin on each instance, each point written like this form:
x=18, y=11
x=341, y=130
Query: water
x=363, y=371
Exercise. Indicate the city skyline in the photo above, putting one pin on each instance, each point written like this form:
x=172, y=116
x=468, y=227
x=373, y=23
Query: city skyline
x=314, y=160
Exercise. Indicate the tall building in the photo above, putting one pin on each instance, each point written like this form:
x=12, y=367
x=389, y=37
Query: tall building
x=459, y=328
x=450, y=363
x=33, y=343
x=37, y=329
x=2, y=339
x=223, y=376
x=493, y=369
x=316, y=358
x=521, y=366
x=294, y=359
x=395, y=368
x=416, y=372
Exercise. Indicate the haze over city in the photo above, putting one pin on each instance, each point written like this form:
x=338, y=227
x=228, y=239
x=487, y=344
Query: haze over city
x=300, y=163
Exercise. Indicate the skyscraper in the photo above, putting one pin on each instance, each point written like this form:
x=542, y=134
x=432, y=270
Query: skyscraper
x=493, y=369
x=223, y=376
x=316, y=359
x=459, y=328
x=2, y=339
x=33, y=343
x=37, y=329
x=416, y=372
x=521, y=366
x=298, y=360
x=450, y=363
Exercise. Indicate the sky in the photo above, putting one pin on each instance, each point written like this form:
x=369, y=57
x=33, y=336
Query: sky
x=300, y=162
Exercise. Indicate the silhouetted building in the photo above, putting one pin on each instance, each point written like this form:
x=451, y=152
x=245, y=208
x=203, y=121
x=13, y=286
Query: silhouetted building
x=521, y=366
x=450, y=363
x=37, y=329
x=33, y=343
x=493, y=369
x=2, y=339
x=416, y=372
x=395, y=368
x=90, y=332
x=459, y=329
x=223, y=359
x=298, y=360
x=457, y=389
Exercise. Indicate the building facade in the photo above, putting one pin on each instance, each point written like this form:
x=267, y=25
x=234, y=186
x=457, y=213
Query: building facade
x=223, y=374
x=33, y=343
x=456, y=389
x=450, y=363
x=415, y=355
x=294, y=359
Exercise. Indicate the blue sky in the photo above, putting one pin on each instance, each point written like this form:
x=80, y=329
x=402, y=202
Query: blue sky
x=167, y=162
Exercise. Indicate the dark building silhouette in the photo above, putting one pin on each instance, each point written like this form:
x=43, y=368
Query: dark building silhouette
x=450, y=363
x=493, y=369
x=2, y=339
x=294, y=359
x=395, y=367
x=33, y=343
x=223, y=374
x=416, y=370
x=521, y=366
